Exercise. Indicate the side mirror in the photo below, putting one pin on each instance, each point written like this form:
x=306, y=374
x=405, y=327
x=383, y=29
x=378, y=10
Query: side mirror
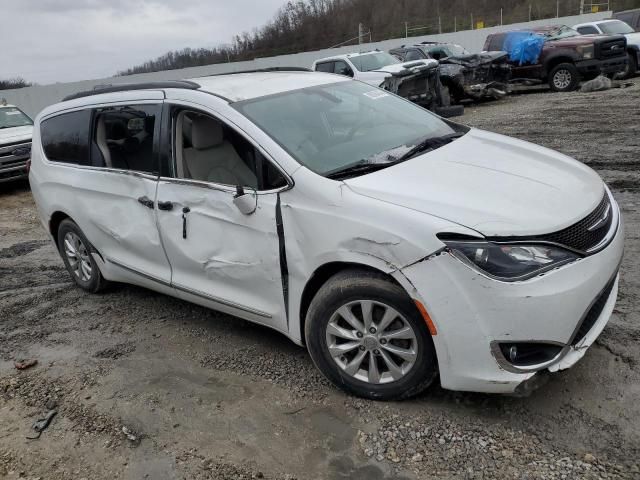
x=247, y=202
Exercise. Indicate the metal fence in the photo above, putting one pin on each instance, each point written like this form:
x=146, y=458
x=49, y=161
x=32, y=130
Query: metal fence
x=34, y=99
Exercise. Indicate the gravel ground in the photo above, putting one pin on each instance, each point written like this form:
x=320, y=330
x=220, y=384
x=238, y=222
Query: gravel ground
x=146, y=386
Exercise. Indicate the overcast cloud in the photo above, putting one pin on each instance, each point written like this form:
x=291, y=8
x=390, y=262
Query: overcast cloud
x=49, y=41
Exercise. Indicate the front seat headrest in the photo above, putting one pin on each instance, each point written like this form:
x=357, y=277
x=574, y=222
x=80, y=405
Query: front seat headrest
x=206, y=132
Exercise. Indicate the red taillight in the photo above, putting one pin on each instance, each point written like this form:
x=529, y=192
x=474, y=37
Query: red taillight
x=28, y=165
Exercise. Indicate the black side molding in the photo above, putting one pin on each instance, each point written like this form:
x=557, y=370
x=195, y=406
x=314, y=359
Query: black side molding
x=123, y=87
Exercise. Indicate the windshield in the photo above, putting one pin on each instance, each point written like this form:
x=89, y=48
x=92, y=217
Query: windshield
x=615, y=27
x=13, y=117
x=561, y=32
x=373, y=61
x=329, y=127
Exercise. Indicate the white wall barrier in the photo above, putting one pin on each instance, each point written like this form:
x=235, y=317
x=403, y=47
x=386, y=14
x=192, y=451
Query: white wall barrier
x=34, y=99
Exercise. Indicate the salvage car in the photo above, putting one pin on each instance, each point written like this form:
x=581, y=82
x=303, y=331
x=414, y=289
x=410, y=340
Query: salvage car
x=418, y=81
x=15, y=142
x=466, y=76
x=564, y=57
x=395, y=245
x=616, y=27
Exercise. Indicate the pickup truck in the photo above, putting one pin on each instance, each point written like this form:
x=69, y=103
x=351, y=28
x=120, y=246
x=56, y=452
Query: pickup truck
x=616, y=27
x=566, y=57
x=16, y=129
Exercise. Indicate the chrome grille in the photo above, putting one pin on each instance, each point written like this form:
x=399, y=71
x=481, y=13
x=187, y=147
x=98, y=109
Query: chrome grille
x=582, y=236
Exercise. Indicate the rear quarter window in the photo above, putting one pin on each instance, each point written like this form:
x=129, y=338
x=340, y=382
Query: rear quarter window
x=65, y=137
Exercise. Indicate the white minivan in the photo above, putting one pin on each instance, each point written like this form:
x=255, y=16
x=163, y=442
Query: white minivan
x=395, y=245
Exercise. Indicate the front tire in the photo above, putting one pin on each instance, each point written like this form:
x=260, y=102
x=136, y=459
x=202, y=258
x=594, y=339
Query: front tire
x=632, y=67
x=564, y=78
x=76, y=252
x=367, y=337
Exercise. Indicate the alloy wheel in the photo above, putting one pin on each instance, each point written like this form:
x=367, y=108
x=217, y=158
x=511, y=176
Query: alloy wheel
x=77, y=256
x=562, y=79
x=371, y=341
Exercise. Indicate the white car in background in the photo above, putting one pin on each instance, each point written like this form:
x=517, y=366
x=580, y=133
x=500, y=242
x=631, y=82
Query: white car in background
x=396, y=246
x=370, y=67
x=616, y=27
x=16, y=129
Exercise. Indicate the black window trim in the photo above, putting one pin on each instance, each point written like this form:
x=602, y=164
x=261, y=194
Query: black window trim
x=168, y=157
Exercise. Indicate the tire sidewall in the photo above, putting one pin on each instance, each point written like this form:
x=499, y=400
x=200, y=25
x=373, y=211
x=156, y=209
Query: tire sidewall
x=94, y=283
x=338, y=292
x=575, y=77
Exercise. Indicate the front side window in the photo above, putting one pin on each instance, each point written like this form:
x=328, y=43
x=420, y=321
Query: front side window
x=332, y=126
x=65, y=137
x=341, y=68
x=13, y=117
x=615, y=27
x=373, y=61
x=123, y=138
x=207, y=150
x=444, y=51
x=587, y=30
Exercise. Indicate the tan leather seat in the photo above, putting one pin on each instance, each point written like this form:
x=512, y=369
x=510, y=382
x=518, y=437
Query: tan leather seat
x=212, y=159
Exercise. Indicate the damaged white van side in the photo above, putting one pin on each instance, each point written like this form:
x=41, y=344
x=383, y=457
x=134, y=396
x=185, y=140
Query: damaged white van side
x=395, y=245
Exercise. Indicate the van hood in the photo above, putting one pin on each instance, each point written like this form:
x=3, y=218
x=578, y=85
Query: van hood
x=15, y=134
x=496, y=185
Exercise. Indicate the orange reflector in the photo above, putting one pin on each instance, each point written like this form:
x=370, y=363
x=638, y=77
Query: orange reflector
x=423, y=311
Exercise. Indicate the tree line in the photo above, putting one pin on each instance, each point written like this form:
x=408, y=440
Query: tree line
x=13, y=83
x=305, y=25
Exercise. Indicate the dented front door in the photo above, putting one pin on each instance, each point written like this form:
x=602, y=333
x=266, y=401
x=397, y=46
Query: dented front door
x=220, y=256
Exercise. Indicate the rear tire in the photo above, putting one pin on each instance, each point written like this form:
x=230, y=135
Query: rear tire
x=564, y=77
x=388, y=354
x=76, y=252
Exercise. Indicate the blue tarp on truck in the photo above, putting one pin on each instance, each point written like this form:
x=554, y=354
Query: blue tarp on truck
x=523, y=47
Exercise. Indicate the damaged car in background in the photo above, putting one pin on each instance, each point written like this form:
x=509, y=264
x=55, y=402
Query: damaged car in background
x=467, y=76
x=418, y=81
x=397, y=246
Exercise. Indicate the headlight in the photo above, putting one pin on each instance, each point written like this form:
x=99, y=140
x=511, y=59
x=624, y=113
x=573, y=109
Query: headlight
x=509, y=262
x=586, y=51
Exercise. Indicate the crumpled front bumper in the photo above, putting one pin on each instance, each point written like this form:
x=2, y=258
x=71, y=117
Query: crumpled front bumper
x=472, y=311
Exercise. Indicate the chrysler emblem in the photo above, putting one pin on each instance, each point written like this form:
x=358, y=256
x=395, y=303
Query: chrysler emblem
x=601, y=221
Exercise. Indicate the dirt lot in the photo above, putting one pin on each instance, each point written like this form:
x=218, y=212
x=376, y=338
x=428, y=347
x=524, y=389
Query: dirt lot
x=205, y=395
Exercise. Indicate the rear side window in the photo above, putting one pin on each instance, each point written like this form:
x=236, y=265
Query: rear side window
x=587, y=30
x=495, y=42
x=413, y=55
x=65, y=138
x=326, y=67
x=123, y=138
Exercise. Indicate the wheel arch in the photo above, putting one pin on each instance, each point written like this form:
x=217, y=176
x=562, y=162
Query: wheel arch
x=56, y=219
x=556, y=60
x=322, y=274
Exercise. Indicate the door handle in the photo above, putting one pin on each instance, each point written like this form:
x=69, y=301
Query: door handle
x=166, y=206
x=146, y=201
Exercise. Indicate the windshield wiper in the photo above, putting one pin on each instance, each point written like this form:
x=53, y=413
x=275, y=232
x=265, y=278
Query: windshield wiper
x=360, y=167
x=430, y=143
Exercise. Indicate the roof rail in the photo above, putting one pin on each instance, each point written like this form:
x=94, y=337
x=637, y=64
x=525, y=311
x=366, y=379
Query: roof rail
x=123, y=87
x=262, y=70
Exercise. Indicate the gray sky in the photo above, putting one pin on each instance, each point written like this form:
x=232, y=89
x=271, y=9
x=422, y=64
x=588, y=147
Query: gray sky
x=49, y=41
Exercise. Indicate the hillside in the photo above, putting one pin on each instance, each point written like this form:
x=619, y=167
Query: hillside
x=316, y=24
